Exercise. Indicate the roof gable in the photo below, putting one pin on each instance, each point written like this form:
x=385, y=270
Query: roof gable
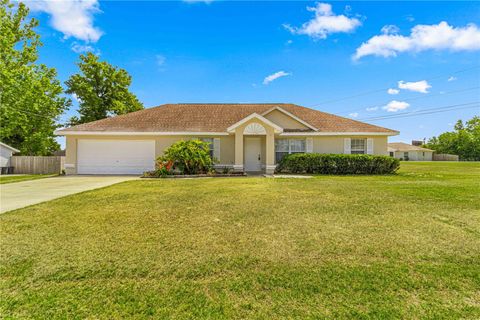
x=276, y=128
x=287, y=120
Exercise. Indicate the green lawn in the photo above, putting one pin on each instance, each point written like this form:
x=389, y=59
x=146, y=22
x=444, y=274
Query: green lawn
x=26, y=177
x=382, y=247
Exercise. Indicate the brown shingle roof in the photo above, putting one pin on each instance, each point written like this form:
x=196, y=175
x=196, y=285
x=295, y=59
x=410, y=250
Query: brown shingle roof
x=197, y=117
x=400, y=146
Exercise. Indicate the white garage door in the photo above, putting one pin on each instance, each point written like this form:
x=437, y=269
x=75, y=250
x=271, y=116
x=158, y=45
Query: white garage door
x=115, y=156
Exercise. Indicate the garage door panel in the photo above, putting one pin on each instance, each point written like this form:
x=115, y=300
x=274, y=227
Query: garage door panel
x=115, y=156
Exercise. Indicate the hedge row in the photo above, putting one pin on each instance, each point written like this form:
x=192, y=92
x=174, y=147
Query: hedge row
x=337, y=164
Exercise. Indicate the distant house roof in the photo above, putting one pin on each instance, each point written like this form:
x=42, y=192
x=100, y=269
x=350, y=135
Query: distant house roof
x=9, y=147
x=217, y=117
x=404, y=147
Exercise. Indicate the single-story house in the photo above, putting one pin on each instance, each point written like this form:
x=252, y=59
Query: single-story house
x=245, y=137
x=6, y=153
x=406, y=151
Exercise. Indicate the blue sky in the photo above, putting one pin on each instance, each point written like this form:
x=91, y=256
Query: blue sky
x=311, y=53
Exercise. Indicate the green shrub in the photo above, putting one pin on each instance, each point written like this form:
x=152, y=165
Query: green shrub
x=338, y=164
x=188, y=157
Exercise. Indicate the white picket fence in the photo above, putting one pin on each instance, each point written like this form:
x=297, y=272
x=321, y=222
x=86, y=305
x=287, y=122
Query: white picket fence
x=37, y=164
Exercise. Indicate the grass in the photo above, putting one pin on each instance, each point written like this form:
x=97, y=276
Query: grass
x=10, y=179
x=365, y=247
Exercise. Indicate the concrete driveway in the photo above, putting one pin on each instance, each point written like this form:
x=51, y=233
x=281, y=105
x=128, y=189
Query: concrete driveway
x=21, y=194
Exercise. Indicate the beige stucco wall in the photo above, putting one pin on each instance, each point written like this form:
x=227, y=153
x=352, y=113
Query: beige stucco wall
x=228, y=146
x=334, y=144
x=284, y=121
x=227, y=150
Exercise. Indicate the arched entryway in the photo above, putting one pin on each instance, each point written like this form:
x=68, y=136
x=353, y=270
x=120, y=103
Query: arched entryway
x=254, y=147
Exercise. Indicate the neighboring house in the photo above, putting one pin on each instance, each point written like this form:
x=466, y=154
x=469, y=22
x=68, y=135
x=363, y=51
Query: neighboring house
x=5, y=154
x=406, y=151
x=245, y=137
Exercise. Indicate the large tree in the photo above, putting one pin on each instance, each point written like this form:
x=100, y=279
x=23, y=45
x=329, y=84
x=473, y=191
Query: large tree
x=464, y=141
x=101, y=90
x=30, y=94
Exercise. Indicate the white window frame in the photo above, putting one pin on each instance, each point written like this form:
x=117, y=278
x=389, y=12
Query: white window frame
x=290, y=148
x=354, y=149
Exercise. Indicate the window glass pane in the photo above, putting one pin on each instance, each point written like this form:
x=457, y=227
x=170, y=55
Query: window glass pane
x=358, y=146
x=297, y=145
x=281, y=145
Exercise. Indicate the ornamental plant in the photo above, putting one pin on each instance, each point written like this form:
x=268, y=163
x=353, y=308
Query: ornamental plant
x=163, y=168
x=187, y=157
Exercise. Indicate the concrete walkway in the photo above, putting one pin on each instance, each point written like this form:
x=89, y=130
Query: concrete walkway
x=25, y=193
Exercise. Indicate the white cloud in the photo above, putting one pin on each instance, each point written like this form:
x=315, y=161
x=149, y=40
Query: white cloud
x=275, y=76
x=372, y=109
x=394, y=106
x=73, y=18
x=390, y=29
x=76, y=98
x=393, y=91
x=452, y=78
x=409, y=18
x=81, y=48
x=419, y=86
x=160, y=60
x=324, y=23
x=440, y=36
x=353, y=114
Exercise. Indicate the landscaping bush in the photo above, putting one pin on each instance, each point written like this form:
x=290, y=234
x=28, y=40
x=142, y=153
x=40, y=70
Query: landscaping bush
x=338, y=164
x=185, y=157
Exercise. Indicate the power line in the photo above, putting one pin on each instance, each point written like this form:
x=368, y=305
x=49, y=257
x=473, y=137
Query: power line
x=383, y=89
x=28, y=112
x=412, y=99
x=415, y=115
x=426, y=111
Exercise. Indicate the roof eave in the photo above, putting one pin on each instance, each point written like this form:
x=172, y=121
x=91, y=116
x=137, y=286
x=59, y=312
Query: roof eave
x=9, y=147
x=138, y=133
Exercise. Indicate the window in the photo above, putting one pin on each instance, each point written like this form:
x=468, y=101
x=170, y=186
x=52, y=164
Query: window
x=210, y=144
x=358, y=146
x=405, y=156
x=288, y=146
x=392, y=154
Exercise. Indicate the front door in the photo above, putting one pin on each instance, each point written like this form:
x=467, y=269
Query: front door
x=253, y=149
